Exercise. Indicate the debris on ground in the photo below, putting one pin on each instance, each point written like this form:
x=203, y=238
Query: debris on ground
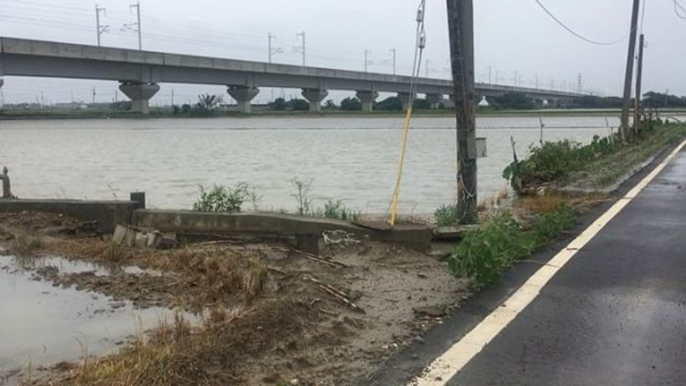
x=272, y=315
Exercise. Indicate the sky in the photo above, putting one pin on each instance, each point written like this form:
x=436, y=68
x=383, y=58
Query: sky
x=511, y=37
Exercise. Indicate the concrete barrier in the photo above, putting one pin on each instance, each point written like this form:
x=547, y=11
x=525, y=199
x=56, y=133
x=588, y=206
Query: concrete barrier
x=107, y=213
x=190, y=222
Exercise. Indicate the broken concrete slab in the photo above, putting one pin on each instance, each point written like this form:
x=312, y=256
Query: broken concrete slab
x=415, y=236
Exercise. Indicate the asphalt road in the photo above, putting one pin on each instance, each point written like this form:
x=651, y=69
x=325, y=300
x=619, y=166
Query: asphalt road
x=615, y=314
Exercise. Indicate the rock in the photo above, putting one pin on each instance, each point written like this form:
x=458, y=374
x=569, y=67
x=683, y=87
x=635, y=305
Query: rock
x=432, y=311
x=274, y=378
x=294, y=382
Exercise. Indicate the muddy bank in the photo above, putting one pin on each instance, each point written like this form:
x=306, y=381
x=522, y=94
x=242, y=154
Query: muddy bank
x=275, y=315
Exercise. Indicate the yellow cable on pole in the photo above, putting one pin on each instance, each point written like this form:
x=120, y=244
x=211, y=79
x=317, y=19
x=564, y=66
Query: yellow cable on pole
x=403, y=150
x=421, y=44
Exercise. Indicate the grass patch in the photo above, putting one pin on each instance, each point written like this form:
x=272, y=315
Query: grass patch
x=336, y=210
x=176, y=354
x=601, y=162
x=484, y=253
x=226, y=199
x=26, y=244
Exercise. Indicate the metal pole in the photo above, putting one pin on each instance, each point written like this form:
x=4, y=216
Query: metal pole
x=138, y=24
x=393, y=51
x=304, y=49
x=490, y=74
x=269, y=46
x=97, y=22
x=461, y=30
x=629, y=71
x=639, y=80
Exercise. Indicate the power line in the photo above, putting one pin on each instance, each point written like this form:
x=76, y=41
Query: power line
x=678, y=6
x=578, y=35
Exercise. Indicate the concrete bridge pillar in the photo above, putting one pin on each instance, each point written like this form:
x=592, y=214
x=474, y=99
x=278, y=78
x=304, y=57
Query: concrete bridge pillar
x=243, y=96
x=405, y=99
x=315, y=97
x=367, y=98
x=434, y=100
x=140, y=94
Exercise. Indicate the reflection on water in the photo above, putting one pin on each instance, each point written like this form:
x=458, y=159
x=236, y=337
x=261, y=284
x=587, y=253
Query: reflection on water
x=353, y=159
x=42, y=324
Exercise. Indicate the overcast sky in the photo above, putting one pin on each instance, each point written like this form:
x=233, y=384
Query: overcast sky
x=511, y=36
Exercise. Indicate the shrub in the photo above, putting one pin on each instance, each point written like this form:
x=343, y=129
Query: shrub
x=447, y=215
x=336, y=210
x=555, y=161
x=221, y=198
x=302, y=196
x=484, y=253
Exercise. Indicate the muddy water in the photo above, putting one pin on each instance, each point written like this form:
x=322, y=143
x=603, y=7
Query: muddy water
x=352, y=158
x=42, y=324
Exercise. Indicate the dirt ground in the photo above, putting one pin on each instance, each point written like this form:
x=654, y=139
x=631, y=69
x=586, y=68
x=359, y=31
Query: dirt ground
x=271, y=315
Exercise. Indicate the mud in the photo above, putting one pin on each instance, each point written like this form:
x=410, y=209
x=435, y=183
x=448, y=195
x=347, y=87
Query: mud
x=285, y=320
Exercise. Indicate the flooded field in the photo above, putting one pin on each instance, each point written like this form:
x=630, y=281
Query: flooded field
x=43, y=324
x=348, y=158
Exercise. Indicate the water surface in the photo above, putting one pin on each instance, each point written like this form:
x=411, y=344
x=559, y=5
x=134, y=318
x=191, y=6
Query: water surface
x=349, y=158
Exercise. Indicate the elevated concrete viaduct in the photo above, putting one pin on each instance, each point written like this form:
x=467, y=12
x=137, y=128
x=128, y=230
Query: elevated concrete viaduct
x=141, y=72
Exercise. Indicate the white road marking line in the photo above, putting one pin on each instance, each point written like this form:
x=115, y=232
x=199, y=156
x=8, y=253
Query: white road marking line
x=441, y=370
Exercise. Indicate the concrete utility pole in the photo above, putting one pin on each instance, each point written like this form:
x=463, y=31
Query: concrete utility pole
x=629, y=70
x=301, y=49
x=490, y=74
x=393, y=59
x=639, y=80
x=461, y=29
x=367, y=62
x=101, y=29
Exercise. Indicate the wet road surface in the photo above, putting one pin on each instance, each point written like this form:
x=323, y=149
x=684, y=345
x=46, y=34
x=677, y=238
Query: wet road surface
x=615, y=314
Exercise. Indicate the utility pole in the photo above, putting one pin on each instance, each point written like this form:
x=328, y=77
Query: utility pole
x=393, y=59
x=172, y=99
x=515, y=78
x=94, y=95
x=490, y=73
x=301, y=49
x=136, y=27
x=367, y=62
x=629, y=71
x=461, y=30
x=101, y=29
x=639, y=80
x=272, y=51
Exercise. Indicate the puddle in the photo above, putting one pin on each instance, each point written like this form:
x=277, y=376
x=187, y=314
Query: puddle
x=65, y=266
x=43, y=325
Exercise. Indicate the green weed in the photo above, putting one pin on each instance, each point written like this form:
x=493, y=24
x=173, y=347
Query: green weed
x=336, y=210
x=221, y=198
x=484, y=253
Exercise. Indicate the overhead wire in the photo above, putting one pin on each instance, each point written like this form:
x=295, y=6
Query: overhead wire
x=577, y=34
x=678, y=6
